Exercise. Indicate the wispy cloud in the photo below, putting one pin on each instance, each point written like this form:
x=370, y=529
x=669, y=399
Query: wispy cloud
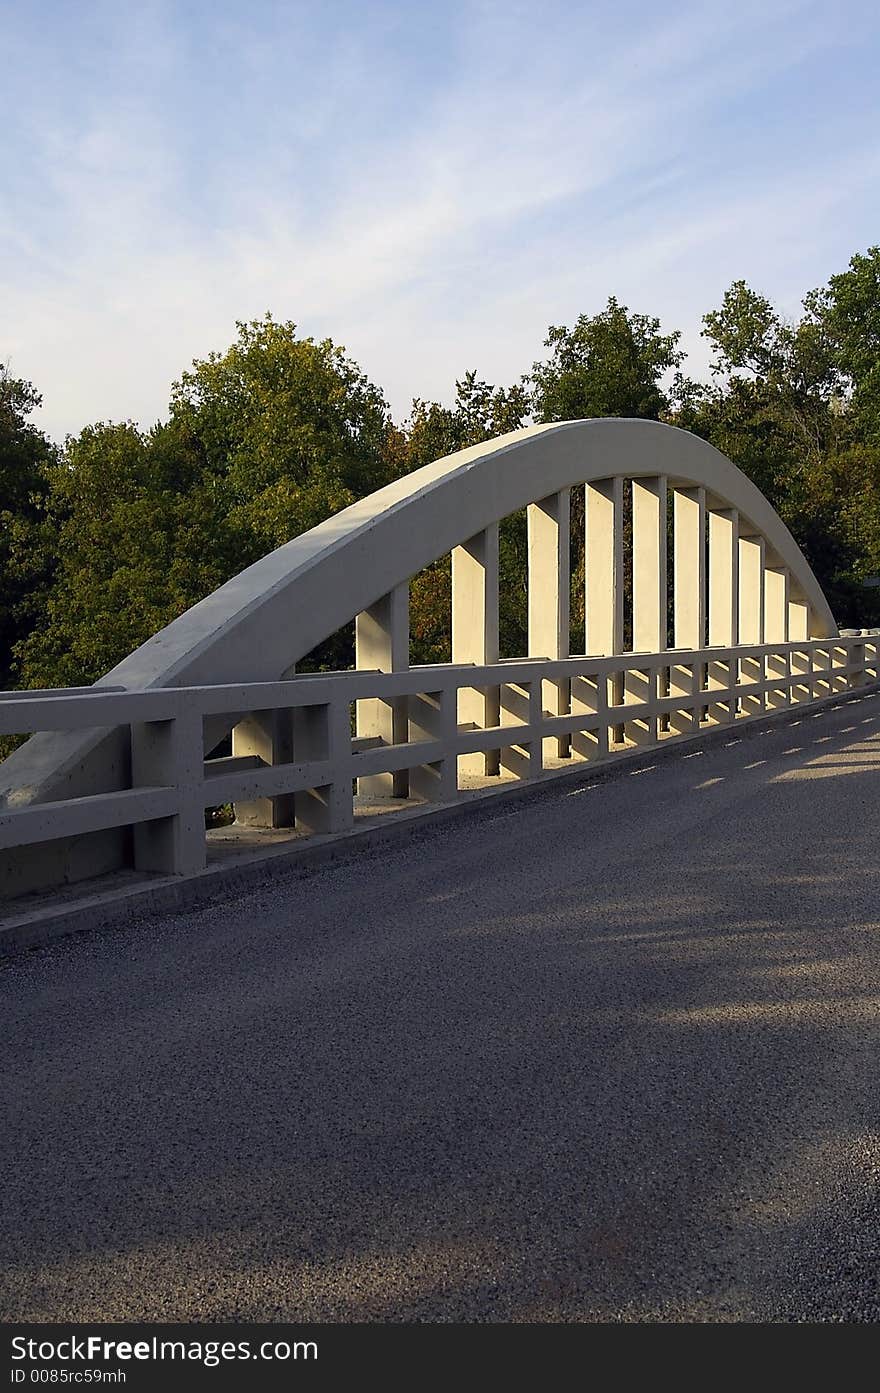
x=430, y=189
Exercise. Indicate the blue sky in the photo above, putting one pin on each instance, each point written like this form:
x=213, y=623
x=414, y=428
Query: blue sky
x=429, y=184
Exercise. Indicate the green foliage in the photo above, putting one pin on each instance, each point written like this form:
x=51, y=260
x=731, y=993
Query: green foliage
x=27, y=550
x=480, y=413
x=290, y=430
x=263, y=442
x=610, y=364
x=104, y=542
x=795, y=406
x=138, y=541
x=849, y=309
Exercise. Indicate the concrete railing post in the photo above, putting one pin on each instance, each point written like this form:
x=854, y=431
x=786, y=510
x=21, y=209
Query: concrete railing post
x=269, y=735
x=589, y=699
x=536, y=716
x=171, y=753
x=475, y=635
x=382, y=642
x=324, y=733
x=432, y=716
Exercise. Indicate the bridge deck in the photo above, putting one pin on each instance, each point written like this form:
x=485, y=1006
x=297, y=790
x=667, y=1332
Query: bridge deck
x=608, y=1054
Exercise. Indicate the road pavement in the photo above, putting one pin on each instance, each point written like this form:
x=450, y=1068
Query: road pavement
x=609, y=1054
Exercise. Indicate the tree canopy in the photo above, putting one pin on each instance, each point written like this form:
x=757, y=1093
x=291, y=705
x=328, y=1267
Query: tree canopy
x=262, y=443
x=112, y=535
x=610, y=364
x=27, y=554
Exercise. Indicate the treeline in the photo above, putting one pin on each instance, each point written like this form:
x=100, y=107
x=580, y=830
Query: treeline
x=108, y=538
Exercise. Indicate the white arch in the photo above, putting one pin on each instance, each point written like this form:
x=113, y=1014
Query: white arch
x=270, y=615
x=257, y=625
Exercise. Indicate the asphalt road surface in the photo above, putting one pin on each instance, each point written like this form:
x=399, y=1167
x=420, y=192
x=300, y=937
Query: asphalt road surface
x=610, y=1055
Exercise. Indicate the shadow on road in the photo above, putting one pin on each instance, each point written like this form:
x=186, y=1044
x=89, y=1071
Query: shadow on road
x=609, y=1057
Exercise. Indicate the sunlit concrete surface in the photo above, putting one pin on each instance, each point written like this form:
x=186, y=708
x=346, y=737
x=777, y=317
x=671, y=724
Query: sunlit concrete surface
x=609, y=1054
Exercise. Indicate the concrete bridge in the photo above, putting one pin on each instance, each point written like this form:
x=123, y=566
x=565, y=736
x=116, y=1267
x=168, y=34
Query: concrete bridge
x=116, y=778
x=545, y=990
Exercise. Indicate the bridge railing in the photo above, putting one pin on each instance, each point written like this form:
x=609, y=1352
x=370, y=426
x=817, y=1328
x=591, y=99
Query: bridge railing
x=611, y=705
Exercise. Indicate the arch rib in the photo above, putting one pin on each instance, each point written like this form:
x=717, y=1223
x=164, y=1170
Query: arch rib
x=350, y=561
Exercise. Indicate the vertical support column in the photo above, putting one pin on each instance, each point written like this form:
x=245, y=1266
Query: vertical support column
x=798, y=617
x=775, y=604
x=723, y=577
x=603, y=608
x=649, y=604
x=269, y=735
x=475, y=633
x=723, y=608
x=800, y=662
x=690, y=567
x=776, y=631
x=549, y=593
x=649, y=564
x=751, y=589
x=751, y=620
x=381, y=637
x=604, y=567
x=171, y=753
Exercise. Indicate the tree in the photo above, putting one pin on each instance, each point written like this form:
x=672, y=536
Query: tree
x=290, y=430
x=609, y=364
x=849, y=310
x=791, y=367
x=782, y=408
x=108, y=540
x=263, y=442
x=25, y=554
x=138, y=538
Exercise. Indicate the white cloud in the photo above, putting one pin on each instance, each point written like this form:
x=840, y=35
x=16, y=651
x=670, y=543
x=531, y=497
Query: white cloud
x=556, y=162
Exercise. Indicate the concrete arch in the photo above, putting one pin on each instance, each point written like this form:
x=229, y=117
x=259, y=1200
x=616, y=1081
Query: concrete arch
x=257, y=625
x=267, y=617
